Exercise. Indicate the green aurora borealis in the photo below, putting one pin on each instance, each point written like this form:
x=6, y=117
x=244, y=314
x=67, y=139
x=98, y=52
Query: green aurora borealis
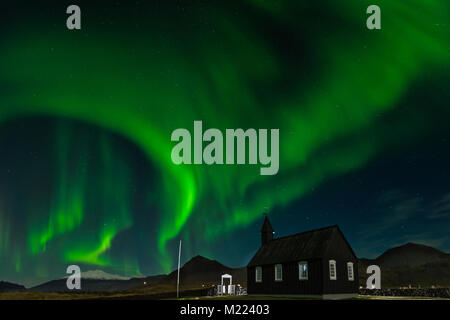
x=137, y=72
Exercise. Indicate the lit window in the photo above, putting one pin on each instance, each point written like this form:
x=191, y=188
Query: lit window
x=258, y=274
x=278, y=272
x=303, y=270
x=332, y=270
x=351, y=276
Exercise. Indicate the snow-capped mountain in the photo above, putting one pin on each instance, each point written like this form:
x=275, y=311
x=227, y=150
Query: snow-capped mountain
x=101, y=275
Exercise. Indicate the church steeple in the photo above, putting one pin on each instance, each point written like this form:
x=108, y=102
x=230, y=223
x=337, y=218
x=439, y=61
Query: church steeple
x=266, y=232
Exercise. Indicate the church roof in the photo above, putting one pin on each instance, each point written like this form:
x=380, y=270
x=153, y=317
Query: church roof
x=306, y=245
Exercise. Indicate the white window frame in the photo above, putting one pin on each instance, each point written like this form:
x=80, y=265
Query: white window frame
x=279, y=265
x=260, y=274
x=351, y=275
x=332, y=263
x=300, y=264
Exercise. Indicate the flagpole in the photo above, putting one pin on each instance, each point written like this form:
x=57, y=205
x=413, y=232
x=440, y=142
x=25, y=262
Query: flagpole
x=178, y=279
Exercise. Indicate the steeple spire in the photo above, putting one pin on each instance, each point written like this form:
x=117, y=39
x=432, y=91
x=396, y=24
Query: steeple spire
x=266, y=231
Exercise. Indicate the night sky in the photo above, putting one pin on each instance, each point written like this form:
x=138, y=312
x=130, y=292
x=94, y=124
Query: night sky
x=86, y=117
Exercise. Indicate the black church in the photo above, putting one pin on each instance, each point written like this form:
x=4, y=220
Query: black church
x=318, y=263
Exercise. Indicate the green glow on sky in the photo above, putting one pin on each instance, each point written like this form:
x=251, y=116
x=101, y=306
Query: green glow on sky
x=142, y=88
x=66, y=213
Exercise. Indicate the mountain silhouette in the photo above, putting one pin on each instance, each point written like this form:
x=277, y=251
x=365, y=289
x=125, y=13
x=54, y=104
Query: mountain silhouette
x=411, y=255
x=410, y=264
x=97, y=284
x=201, y=270
x=10, y=287
x=198, y=273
